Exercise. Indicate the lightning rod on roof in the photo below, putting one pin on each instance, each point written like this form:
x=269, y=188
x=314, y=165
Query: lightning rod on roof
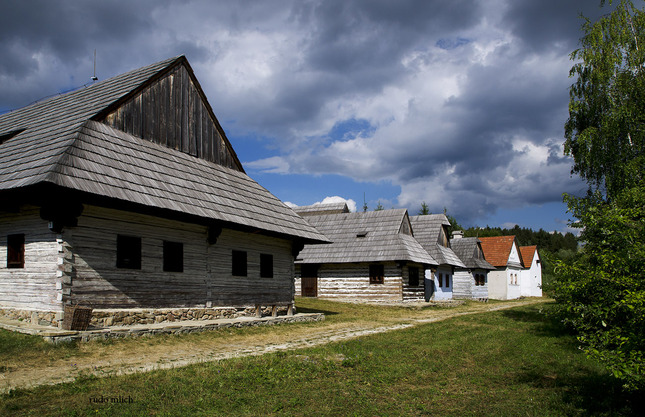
x=94, y=77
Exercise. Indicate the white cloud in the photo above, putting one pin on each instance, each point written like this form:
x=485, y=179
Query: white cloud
x=351, y=204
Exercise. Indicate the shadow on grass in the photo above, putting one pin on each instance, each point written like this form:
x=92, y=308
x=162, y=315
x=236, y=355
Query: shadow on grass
x=544, y=323
x=584, y=388
x=589, y=391
x=315, y=310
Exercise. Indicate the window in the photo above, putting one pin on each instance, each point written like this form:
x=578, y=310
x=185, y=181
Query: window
x=239, y=263
x=6, y=136
x=413, y=276
x=266, y=265
x=16, y=251
x=377, y=274
x=480, y=279
x=440, y=278
x=173, y=256
x=447, y=281
x=128, y=252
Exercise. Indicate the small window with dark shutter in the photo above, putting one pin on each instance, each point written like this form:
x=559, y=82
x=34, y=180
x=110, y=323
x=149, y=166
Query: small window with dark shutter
x=16, y=251
x=266, y=265
x=377, y=274
x=173, y=256
x=239, y=263
x=128, y=252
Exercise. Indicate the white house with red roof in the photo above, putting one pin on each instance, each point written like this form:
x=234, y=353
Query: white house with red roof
x=531, y=276
x=503, y=252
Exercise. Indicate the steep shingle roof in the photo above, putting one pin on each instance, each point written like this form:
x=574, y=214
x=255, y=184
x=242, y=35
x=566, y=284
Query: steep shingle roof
x=527, y=255
x=466, y=249
x=62, y=145
x=497, y=249
x=426, y=230
x=365, y=237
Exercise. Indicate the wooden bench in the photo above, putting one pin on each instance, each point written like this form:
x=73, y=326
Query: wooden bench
x=274, y=308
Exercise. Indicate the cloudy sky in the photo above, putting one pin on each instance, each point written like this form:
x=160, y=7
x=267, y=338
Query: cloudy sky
x=459, y=104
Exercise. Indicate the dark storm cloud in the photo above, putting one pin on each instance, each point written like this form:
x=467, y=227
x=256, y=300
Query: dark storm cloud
x=550, y=24
x=457, y=100
x=66, y=29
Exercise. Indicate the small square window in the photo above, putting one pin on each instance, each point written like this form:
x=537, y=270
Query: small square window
x=128, y=252
x=16, y=251
x=173, y=256
x=377, y=274
x=239, y=263
x=266, y=265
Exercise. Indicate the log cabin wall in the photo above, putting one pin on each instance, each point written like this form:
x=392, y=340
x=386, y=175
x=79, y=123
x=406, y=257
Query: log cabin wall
x=413, y=292
x=352, y=281
x=206, y=280
x=226, y=289
x=464, y=284
x=38, y=286
x=172, y=112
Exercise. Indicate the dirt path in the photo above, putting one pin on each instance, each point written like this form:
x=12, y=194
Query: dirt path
x=125, y=358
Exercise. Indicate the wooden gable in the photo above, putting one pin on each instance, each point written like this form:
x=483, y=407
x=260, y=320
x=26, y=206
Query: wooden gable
x=172, y=110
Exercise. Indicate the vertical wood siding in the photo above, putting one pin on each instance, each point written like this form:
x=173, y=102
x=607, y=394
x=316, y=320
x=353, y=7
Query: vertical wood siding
x=171, y=112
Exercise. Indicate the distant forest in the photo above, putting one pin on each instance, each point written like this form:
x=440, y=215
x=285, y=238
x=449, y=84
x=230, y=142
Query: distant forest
x=552, y=242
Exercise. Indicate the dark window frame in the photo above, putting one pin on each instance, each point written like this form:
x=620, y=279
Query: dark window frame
x=173, y=256
x=266, y=265
x=377, y=274
x=16, y=251
x=128, y=252
x=239, y=263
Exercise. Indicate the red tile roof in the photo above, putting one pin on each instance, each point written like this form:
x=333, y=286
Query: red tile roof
x=527, y=255
x=497, y=249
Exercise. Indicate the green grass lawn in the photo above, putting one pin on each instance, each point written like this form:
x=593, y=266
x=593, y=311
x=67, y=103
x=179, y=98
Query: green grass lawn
x=510, y=362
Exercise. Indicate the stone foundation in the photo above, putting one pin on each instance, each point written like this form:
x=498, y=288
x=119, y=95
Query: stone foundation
x=129, y=317
x=43, y=318
x=135, y=316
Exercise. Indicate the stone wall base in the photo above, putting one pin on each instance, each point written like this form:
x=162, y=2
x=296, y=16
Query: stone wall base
x=129, y=317
x=42, y=318
x=134, y=316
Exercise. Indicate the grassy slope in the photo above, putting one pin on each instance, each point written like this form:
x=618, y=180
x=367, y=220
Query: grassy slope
x=512, y=362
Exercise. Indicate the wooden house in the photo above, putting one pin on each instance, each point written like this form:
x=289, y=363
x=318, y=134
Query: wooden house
x=470, y=282
x=373, y=257
x=127, y=196
x=531, y=275
x=432, y=232
x=503, y=252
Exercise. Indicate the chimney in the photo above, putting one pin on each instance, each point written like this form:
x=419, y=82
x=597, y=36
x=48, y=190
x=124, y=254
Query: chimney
x=457, y=234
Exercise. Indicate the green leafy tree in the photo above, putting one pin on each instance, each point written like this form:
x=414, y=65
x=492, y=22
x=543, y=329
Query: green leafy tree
x=600, y=293
x=425, y=210
x=604, y=133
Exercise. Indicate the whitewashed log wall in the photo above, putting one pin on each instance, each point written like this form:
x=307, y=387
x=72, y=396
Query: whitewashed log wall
x=464, y=285
x=37, y=286
x=352, y=281
x=81, y=267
